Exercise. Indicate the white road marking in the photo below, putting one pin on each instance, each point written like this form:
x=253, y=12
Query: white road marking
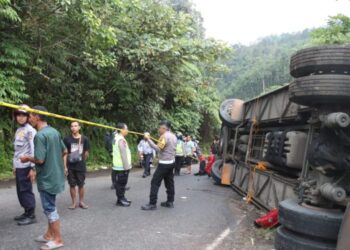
x=223, y=235
x=219, y=239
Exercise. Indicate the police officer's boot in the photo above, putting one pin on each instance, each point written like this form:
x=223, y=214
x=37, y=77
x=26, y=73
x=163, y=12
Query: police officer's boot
x=167, y=204
x=20, y=217
x=29, y=218
x=123, y=203
x=125, y=199
x=149, y=207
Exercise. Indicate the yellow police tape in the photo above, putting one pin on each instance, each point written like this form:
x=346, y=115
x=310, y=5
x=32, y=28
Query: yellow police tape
x=13, y=106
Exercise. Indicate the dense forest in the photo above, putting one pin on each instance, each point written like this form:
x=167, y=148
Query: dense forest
x=109, y=61
x=132, y=61
x=262, y=66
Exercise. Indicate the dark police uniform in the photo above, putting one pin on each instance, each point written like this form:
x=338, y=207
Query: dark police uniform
x=24, y=145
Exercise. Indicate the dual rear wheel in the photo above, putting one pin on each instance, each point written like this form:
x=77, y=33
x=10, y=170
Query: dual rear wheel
x=322, y=76
x=307, y=228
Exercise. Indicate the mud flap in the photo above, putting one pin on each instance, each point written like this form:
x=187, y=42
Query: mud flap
x=226, y=174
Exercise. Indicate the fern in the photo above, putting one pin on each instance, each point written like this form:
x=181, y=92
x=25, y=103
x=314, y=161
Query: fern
x=13, y=60
x=7, y=12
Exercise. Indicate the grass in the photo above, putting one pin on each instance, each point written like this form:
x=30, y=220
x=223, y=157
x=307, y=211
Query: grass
x=267, y=234
x=6, y=176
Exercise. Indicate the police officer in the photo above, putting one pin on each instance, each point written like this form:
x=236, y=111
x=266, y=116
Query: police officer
x=24, y=145
x=166, y=148
x=180, y=154
x=121, y=164
x=146, y=155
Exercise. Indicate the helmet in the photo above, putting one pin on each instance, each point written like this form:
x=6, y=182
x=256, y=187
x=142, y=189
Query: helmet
x=21, y=111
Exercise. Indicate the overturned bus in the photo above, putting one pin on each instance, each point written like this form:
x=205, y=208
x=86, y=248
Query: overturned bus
x=290, y=148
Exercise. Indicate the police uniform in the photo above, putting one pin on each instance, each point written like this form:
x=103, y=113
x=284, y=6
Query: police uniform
x=121, y=167
x=147, y=153
x=24, y=145
x=166, y=148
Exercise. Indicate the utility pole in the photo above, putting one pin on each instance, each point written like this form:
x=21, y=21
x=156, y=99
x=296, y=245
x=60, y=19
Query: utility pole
x=263, y=83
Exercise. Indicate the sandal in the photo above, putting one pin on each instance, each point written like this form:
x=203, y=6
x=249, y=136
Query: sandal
x=51, y=245
x=73, y=207
x=83, y=206
x=41, y=239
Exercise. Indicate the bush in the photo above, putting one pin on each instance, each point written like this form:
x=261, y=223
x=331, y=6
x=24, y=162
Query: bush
x=6, y=153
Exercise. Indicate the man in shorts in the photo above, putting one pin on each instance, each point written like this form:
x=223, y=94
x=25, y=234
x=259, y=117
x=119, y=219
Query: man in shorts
x=78, y=147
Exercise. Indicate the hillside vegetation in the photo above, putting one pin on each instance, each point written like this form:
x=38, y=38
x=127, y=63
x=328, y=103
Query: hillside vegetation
x=263, y=66
x=132, y=61
x=259, y=67
x=108, y=61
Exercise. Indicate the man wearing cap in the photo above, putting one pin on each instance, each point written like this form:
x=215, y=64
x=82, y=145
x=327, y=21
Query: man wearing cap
x=146, y=154
x=24, y=145
x=166, y=148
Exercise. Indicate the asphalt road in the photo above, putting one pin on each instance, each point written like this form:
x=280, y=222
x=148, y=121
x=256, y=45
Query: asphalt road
x=204, y=217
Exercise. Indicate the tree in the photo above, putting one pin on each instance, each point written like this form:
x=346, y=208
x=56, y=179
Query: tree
x=13, y=56
x=337, y=31
x=255, y=68
x=109, y=61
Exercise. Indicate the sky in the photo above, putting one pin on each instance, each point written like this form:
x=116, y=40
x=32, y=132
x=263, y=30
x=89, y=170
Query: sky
x=245, y=21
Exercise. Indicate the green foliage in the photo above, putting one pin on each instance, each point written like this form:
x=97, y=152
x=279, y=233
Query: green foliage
x=337, y=31
x=98, y=156
x=258, y=67
x=109, y=61
x=7, y=12
x=264, y=66
x=6, y=152
x=12, y=62
x=13, y=57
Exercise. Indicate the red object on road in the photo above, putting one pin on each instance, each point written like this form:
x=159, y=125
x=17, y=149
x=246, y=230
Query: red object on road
x=268, y=220
x=201, y=158
x=211, y=160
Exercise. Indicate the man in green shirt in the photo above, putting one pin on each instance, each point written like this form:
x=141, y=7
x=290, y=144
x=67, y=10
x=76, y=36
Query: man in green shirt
x=50, y=163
